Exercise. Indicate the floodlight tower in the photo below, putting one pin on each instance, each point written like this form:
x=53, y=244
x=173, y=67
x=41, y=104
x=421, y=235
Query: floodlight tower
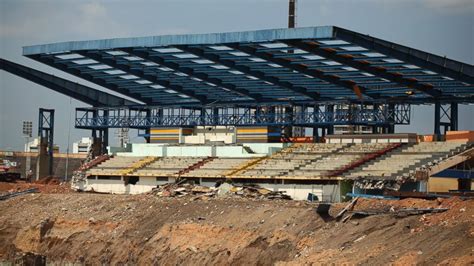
x=27, y=133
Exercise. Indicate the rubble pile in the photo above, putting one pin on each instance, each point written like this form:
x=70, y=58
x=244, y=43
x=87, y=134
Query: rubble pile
x=223, y=190
x=78, y=179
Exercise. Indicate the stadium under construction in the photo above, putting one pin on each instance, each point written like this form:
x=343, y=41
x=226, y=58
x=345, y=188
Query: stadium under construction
x=309, y=111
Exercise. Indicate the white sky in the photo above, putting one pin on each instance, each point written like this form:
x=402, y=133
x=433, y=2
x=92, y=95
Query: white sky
x=443, y=27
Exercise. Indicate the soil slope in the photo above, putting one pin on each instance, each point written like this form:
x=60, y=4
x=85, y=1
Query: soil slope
x=143, y=229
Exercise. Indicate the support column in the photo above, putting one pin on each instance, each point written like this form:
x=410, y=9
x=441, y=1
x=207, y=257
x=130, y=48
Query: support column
x=202, y=117
x=316, y=119
x=330, y=113
x=215, y=116
x=391, y=126
x=454, y=117
x=288, y=130
x=147, y=130
x=44, y=165
x=105, y=132
x=437, y=121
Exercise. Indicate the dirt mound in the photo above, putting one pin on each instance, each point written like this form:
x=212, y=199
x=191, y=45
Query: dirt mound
x=49, y=180
x=49, y=187
x=145, y=229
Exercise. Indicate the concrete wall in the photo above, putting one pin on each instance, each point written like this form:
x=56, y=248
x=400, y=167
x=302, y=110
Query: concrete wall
x=145, y=184
x=161, y=150
x=324, y=192
x=373, y=138
x=59, y=164
x=439, y=184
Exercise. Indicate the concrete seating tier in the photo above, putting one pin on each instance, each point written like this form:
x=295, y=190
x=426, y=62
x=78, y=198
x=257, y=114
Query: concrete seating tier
x=404, y=162
x=289, y=159
x=340, y=159
x=114, y=165
x=168, y=166
x=218, y=167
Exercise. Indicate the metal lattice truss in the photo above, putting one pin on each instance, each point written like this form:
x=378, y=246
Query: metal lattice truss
x=319, y=116
x=268, y=67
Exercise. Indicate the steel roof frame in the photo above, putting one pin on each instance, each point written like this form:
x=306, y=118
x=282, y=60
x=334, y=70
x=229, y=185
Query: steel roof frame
x=314, y=64
x=72, y=89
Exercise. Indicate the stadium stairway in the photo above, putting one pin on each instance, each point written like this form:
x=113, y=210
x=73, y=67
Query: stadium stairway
x=96, y=161
x=244, y=166
x=195, y=166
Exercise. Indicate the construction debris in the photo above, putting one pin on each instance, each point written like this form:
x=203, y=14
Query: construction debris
x=224, y=190
x=348, y=207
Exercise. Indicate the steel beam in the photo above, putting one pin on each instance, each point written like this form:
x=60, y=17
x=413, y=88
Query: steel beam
x=74, y=90
x=248, y=71
x=91, y=118
x=441, y=65
x=362, y=65
x=192, y=73
x=304, y=69
x=141, y=74
x=101, y=82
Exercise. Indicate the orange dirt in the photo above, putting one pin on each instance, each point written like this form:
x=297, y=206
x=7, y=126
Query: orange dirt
x=144, y=229
x=50, y=186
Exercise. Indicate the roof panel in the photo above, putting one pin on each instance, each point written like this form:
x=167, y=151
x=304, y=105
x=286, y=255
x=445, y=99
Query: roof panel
x=303, y=64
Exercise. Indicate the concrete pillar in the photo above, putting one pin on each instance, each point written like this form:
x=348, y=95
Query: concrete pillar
x=42, y=161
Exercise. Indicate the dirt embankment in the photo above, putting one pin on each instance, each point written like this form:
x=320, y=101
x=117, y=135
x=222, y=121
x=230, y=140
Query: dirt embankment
x=144, y=229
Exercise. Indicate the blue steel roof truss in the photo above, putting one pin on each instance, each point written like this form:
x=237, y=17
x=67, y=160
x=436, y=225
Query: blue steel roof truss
x=303, y=65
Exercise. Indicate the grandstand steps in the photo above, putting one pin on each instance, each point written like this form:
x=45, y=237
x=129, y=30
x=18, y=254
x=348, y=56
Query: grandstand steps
x=195, y=166
x=396, y=150
x=245, y=166
x=317, y=160
x=138, y=165
x=250, y=164
x=429, y=162
x=406, y=162
x=365, y=159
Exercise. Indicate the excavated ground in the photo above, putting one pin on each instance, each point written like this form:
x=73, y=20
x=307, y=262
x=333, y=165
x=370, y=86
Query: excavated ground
x=144, y=229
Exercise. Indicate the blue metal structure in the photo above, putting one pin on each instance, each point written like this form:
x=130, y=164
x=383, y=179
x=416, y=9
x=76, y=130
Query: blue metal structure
x=46, y=134
x=298, y=69
x=147, y=117
x=75, y=90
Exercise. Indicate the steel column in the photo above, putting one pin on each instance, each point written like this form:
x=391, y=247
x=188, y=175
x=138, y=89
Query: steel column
x=437, y=120
x=454, y=116
x=330, y=112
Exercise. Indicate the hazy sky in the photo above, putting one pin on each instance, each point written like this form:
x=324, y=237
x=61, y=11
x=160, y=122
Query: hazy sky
x=443, y=27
